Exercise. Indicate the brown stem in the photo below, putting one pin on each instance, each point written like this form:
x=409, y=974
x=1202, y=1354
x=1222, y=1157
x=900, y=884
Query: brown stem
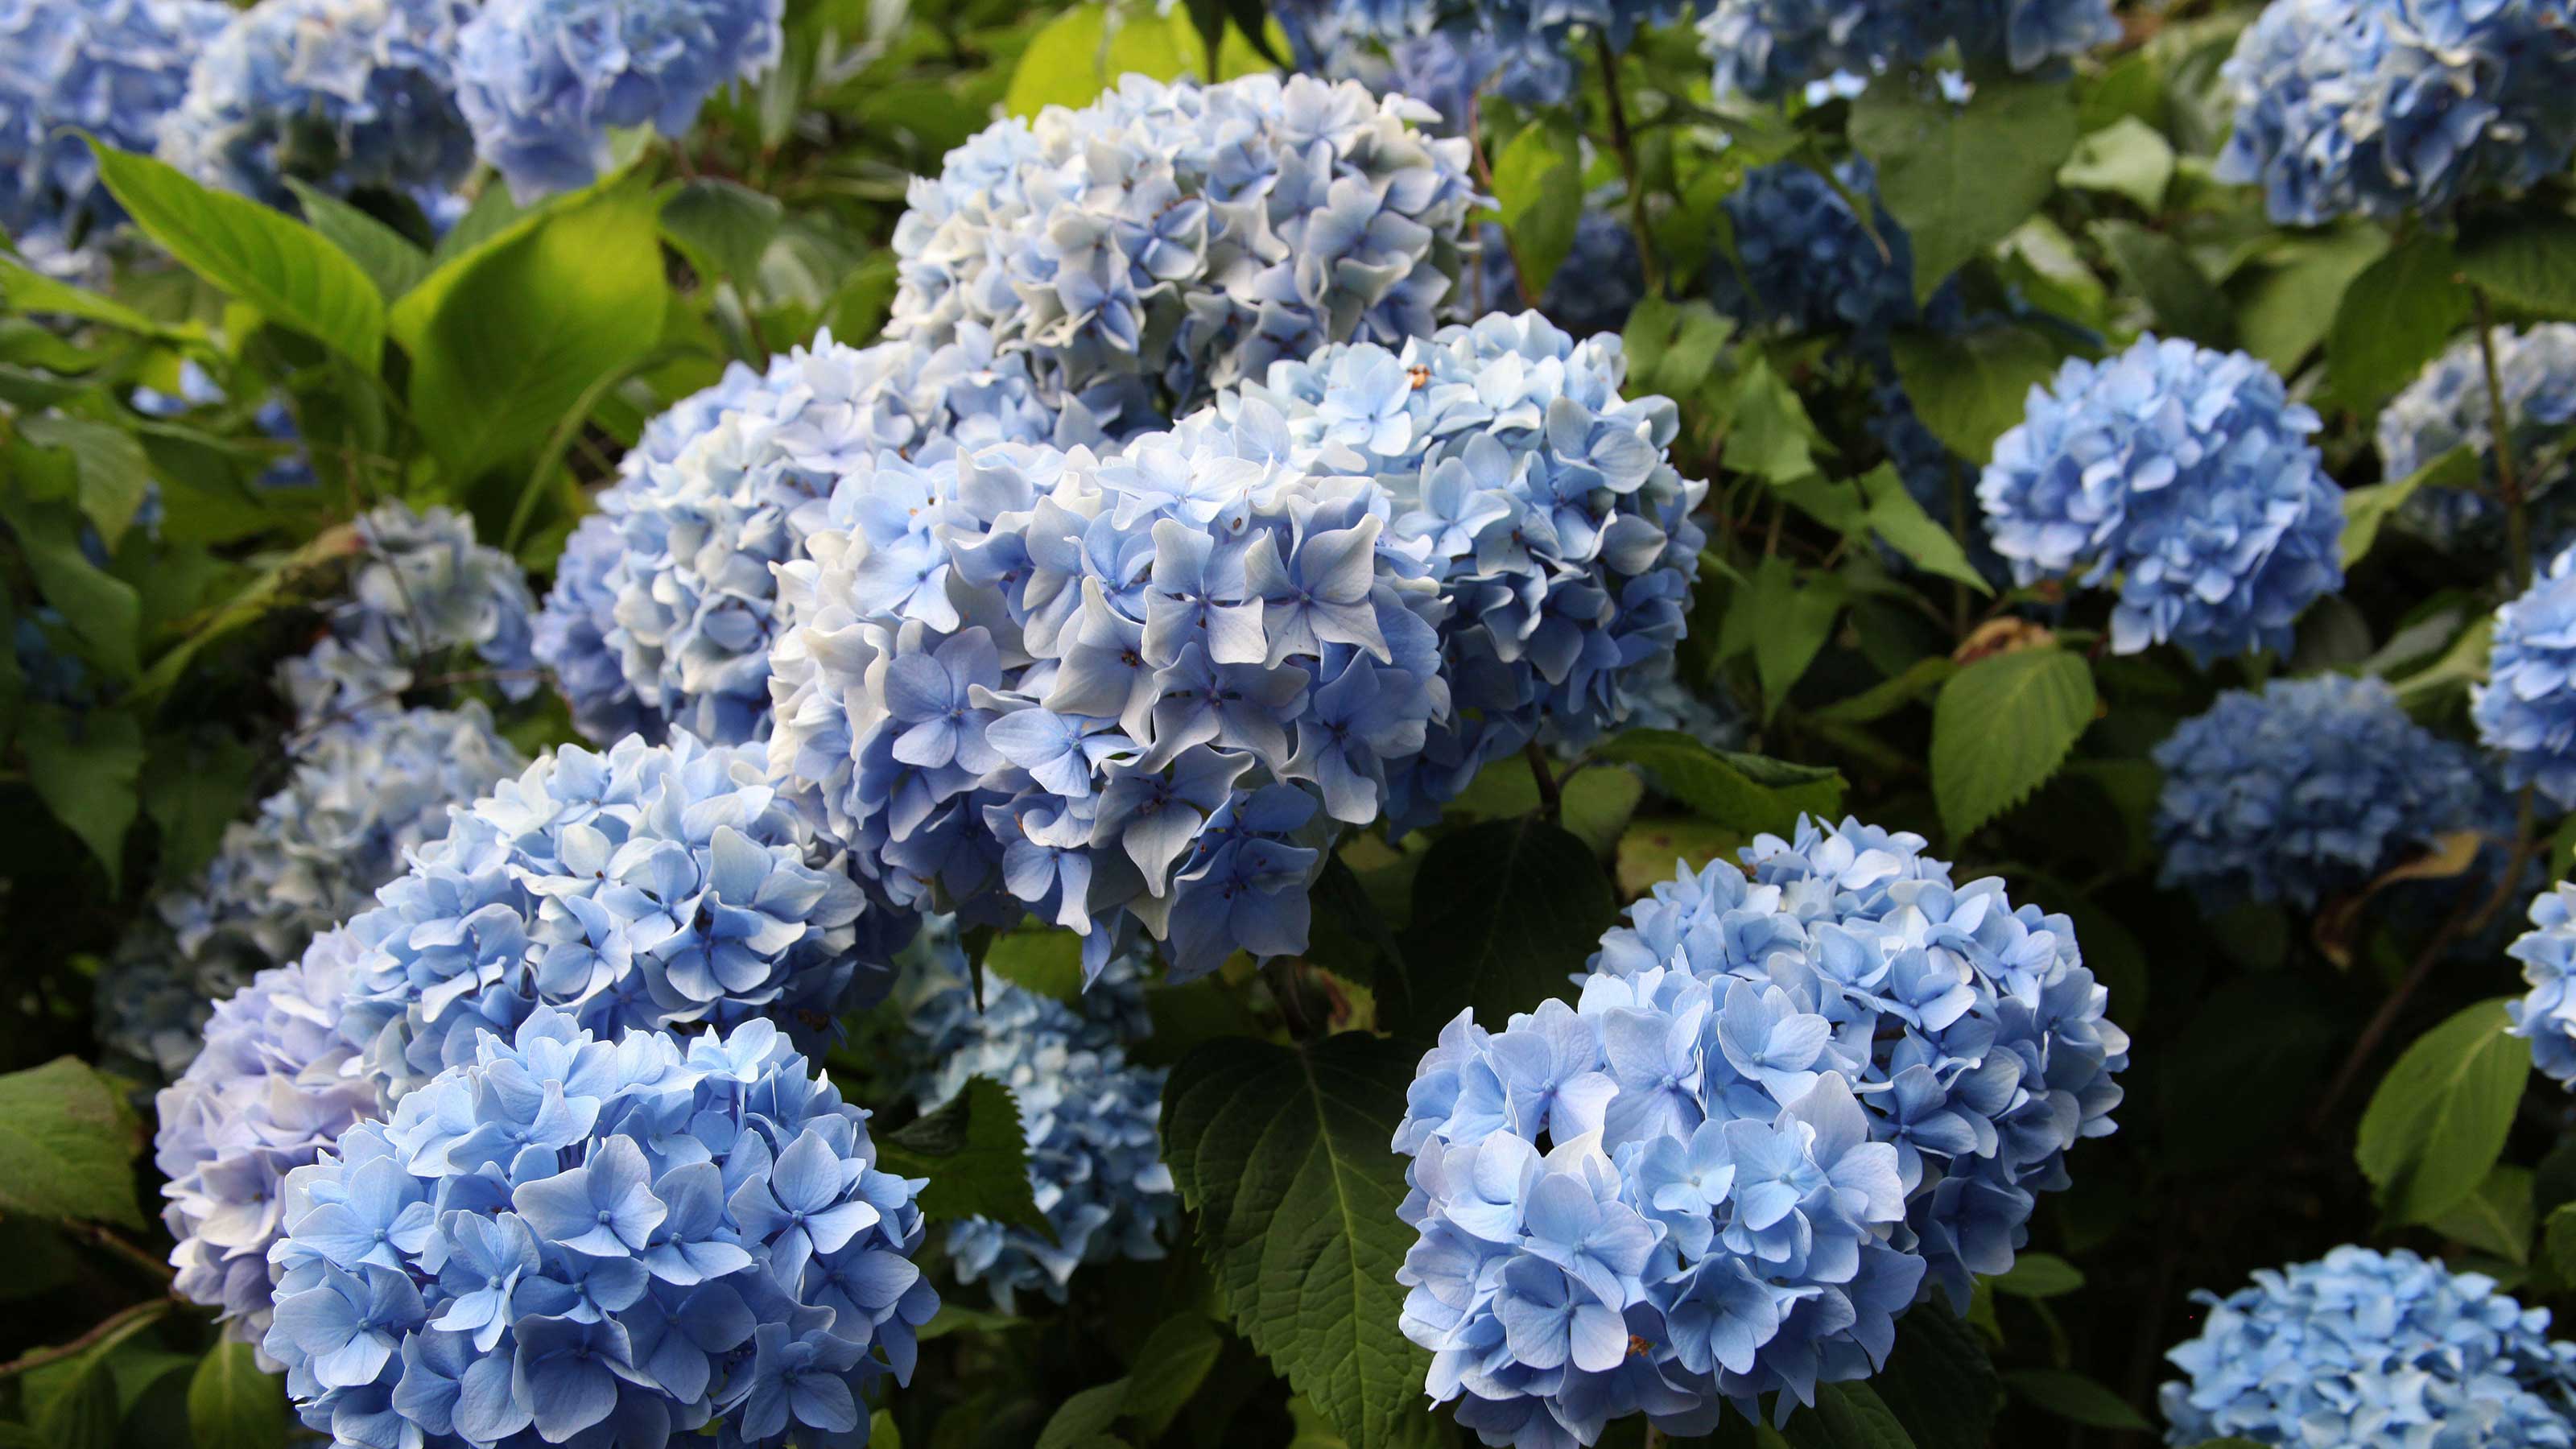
x=1550, y=801
x=2500, y=431
x=143, y=1312
x=1625, y=144
x=100, y=1238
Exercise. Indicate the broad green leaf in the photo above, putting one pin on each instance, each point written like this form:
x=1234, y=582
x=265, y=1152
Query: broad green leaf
x=2039, y=1275
x=2558, y=1235
x=1040, y=957
x=2001, y=727
x=1653, y=849
x=100, y=608
x=528, y=324
x=2073, y=1397
x=2126, y=158
x=114, y=473
x=25, y=290
x=231, y=1404
x=2395, y=317
x=85, y=767
x=193, y=789
x=1938, y=1381
x=1061, y=66
x=2437, y=1122
x=1281, y=1154
x=1846, y=1416
x=389, y=258
x=1959, y=178
x=1748, y=794
x=1901, y=522
x=975, y=1153
x=1768, y=431
x=724, y=223
x=2366, y=508
x=882, y=1433
x=1791, y=618
x=67, y=1144
x=1169, y=1367
x=288, y=271
x=1499, y=909
x=1084, y=50
x=1594, y=805
x=1538, y=183
x=81, y=1412
x=2497, y=1218
x=1888, y=695
x=2529, y=263
x=2181, y=297
x=1971, y=388
x=1083, y=1418
x=2284, y=308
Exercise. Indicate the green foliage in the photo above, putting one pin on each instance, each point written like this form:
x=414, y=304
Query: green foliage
x=2077, y=1399
x=2437, y=1122
x=2001, y=727
x=1747, y=794
x=1969, y=388
x=1538, y=182
x=1502, y=910
x=231, y=1403
x=67, y=1145
x=2396, y=316
x=1959, y=178
x=975, y=1154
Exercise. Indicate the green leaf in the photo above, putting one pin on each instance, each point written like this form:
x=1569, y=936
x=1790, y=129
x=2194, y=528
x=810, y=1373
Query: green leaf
x=1901, y=522
x=1169, y=1367
x=1846, y=1416
x=1791, y=617
x=285, y=269
x=2437, y=1123
x=1939, y=1382
x=231, y=1404
x=2366, y=508
x=528, y=324
x=2074, y=1397
x=25, y=290
x=2284, y=309
x=1749, y=794
x=727, y=224
x=192, y=790
x=2182, y=299
x=114, y=473
x=2559, y=1236
x=1281, y=1154
x=1768, y=431
x=975, y=1153
x=2039, y=1275
x=2001, y=727
x=2125, y=158
x=1538, y=183
x=67, y=1145
x=1084, y=1417
x=2497, y=1218
x=1499, y=910
x=82, y=1413
x=1971, y=388
x=1959, y=178
x=387, y=256
x=2529, y=263
x=1043, y=959
x=1061, y=66
x=2396, y=316
x=1889, y=695
x=102, y=609
x=86, y=767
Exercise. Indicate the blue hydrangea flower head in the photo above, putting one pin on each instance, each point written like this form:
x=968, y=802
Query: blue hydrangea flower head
x=2311, y=787
x=267, y=1095
x=419, y=587
x=650, y=887
x=1445, y=68
x=1767, y=50
x=1088, y=1113
x=1807, y=263
x=2384, y=108
x=2526, y=709
x=1171, y=239
x=566, y=1240
x=2447, y=406
x=346, y=95
x=361, y=795
x=543, y=81
x=107, y=67
x=1595, y=289
x=2186, y=476
x=2365, y=1347
x=2546, y=1014
x=1778, y=1105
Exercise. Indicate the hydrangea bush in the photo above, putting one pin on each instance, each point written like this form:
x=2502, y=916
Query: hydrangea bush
x=1766, y=49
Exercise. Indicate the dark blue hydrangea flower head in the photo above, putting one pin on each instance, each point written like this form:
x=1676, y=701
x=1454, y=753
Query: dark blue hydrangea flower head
x=650, y=887
x=1088, y=1114
x=266, y=1096
x=543, y=81
x=1778, y=1105
x=1171, y=239
x=2365, y=1347
x=2186, y=476
x=564, y=1240
x=419, y=587
x=2526, y=709
x=2448, y=406
x=2384, y=108
x=1770, y=49
x=2311, y=787
x=107, y=67
x=347, y=95
x=2546, y=1014
x=1595, y=289
x=1806, y=260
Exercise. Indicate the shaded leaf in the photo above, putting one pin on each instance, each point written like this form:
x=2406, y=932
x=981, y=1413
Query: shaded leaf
x=2073, y=1397
x=975, y=1153
x=387, y=256
x=66, y=1145
x=231, y=1404
x=2000, y=727
x=1502, y=910
x=1748, y=794
x=2437, y=1122
x=1959, y=178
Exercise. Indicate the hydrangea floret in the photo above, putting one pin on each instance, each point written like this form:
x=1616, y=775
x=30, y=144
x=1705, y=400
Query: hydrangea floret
x=419, y=587
x=2546, y=1014
x=2184, y=476
x=2365, y=1347
x=2448, y=406
x=2526, y=709
x=1767, y=50
x=566, y=1240
x=1802, y=258
x=1778, y=1105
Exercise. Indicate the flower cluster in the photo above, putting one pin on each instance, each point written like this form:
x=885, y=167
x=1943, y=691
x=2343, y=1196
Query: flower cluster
x=601, y=1244
x=1803, y=259
x=2366, y=1347
x=2312, y=787
x=1087, y=1113
x=419, y=587
x=2184, y=473
x=2381, y=108
x=266, y=1096
x=1169, y=240
x=1777, y=1105
x=1446, y=69
x=652, y=887
x=347, y=95
x=361, y=795
x=541, y=82
x=2448, y=407
x=2547, y=1013
x=2526, y=709
x=1593, y=290
x=1769, y=49
x=106, y=67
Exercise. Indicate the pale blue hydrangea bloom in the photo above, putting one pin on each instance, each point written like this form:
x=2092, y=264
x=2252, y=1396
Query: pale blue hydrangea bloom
x=107, y=67
x=1171, y=239
x=2312, y=787
x=2366, y=1347
x=266, y=1096
x=1769, y=49
x=651, y=887
x=2448, y=406
x=1777, y=1107
x=2186, y=476
x=419, y=587
x=1088, y=1115
x=348, y=95
x=543, y=81
x=361, y=794
x=564, y=1240
x=2385, y=108
x=2547, y=1013
x=2526, y=709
